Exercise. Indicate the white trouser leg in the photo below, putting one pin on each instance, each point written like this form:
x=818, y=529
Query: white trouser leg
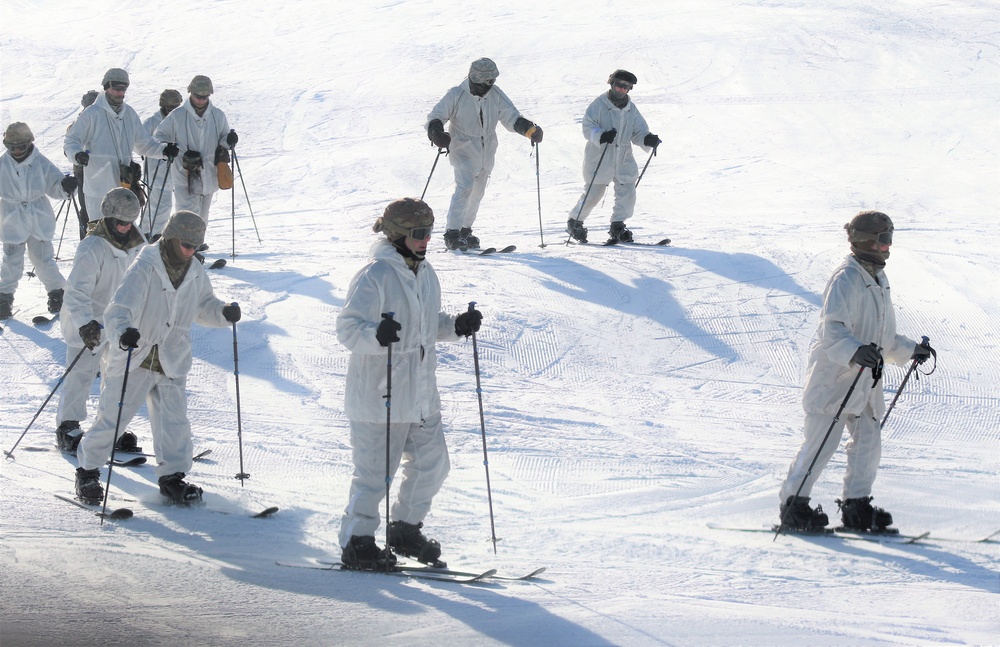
x=814, y=430
x=425, y=467
x=42, y=255
x=582, y=210
x=95, y=447
x=864, y=452
x=470, y=187
x=77, y=384
x=168, y=421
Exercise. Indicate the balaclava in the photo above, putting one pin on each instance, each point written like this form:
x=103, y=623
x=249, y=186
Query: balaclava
x=864, y=232
x=399, y=219
x=619, y=98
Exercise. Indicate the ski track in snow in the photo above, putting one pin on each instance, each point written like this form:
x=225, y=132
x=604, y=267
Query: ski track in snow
x=630, y=395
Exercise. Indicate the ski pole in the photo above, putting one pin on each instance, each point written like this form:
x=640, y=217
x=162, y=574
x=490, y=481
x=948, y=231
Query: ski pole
x=818, y=451
x=482, y=427
x=242, y=476
x=233, y=199
x=441, y=151
x=159, y=199
x=388, y=421
x=538, y=186
x=924, y=341
x=589, y=187
x=236, y=161
x=118, y=422
x=63, y=234
x=149, y=202
x=10, y=454
x=646, y=165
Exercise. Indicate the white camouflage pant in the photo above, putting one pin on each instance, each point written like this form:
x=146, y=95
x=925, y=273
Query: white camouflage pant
x=624, y=201
x=425, y=468
x=470, y=187
x=77, y=383
x=41, y=254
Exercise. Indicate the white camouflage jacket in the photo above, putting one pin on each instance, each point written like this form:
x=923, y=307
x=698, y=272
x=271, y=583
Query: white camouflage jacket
x=25, y=190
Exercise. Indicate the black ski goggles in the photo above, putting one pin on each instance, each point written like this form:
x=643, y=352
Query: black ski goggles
x=882, y=238
x=420, y=233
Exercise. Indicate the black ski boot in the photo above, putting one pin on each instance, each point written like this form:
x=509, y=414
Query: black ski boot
x=472, y=242
x=858, y=515
x=797, y=515
x=619, y=233
x=55, y=301
x=6, y=305
x=363, y=554
x=177, y=490
x=576, y=230
x=68, y=435
x=128, y=444
x=88, y=486
x=406, y=539
x=453, y=239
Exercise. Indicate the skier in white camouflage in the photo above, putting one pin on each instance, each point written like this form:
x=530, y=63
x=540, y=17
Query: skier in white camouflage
x=398, y=279
x=102, y=139
x=158, y=205
x=857, y=331
x=98, y=266
x=151, y=313
x=611, y=125
x=472, y=110
x=27, y=180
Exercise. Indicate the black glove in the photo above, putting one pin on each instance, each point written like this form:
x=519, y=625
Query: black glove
x=232, y=312
x=867, y=356
x=387, y=329
x=129, y=339
x=536, y=135
x=69, y=184
x=437, y=135
x=608, y=136
x=90, y=333
x=922, y=351
x=232, y=138
x=651, y=140
x=82, y=158
x=468, y=322
x=170, y=151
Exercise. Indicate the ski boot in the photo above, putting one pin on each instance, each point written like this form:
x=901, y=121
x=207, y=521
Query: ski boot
x=472, y=242
x=619, y=233
x=68, y=435
x=797, y=515
x=576, y=230
x=177, y=490
x=858, y=515
x=363, y=554
x=55, y=300
x=88, y=486
x=406, y=539
x=128, y=444
x=6, y=305
x=453, y=239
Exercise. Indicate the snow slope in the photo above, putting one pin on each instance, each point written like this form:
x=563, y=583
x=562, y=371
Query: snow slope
x=631, y=395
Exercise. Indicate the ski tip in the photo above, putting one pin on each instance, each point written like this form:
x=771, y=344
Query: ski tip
x=217, y=264
x=265, y=513
x=40, y=320
x=118, y=515
x=665, y=241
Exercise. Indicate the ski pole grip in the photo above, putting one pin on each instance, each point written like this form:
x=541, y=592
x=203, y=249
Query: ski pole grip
x=388, y=315
x=472, y=306
x=925, y=340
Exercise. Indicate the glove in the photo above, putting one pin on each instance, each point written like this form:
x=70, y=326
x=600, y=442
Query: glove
x=922, y=352
x=651, y=141
x=69, y=184
x=82, y=158
x=129, y=338
x=90, y=333
x=170, y=151
x=232, y=138
x=441, y=140
x=608, y=136
x=468, y=322
x=387, y=329
x=534, y=133
x=867, y=356
x=232, y=312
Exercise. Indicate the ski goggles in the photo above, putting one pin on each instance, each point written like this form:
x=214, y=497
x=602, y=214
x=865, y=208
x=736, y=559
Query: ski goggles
x=420, y=233
x=120, y=86
x=623, y=85
x=882, y=238
x=17, y=149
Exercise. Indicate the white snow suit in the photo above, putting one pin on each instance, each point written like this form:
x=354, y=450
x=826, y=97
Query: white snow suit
x=148, y=301
x=618, y=164
x=472, y=123
x=109, y=138
x=387, y=284
x=97, y=271
x=857, y=310
x=27, y=219
x=203, y=134
x=158, y=204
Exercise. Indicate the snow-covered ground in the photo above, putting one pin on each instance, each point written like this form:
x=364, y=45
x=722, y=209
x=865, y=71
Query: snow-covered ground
x=631, y=396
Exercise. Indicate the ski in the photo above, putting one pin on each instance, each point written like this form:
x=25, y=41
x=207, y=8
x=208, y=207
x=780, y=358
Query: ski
x=132, y=462
x=217, y=264
x=117, y=515
x=450, y=571
x=41, y=320
x=437, y=576
x=614, y=243
x=197, y=457
x=881, y=537
x=490, y=251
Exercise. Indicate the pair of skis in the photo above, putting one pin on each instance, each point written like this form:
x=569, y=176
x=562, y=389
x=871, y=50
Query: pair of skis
x=121, y=514
x=422, y=572
x=890, y=536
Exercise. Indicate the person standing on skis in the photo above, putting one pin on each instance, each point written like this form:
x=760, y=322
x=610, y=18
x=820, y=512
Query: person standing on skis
x=472, y=109
x=158, y=205
x=611, y=125
x=398, y=280
x=857, y=331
